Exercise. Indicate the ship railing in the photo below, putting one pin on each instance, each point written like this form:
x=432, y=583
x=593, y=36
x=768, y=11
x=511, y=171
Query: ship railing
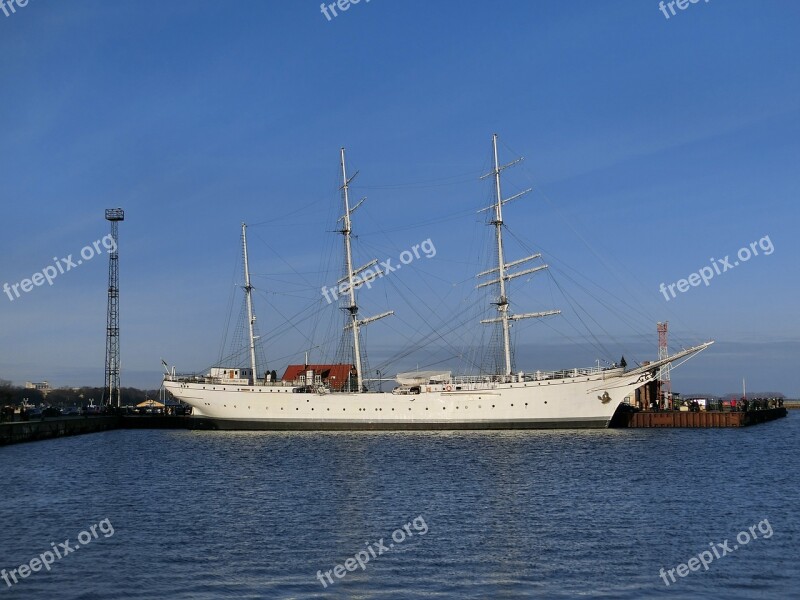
x=489, y=380
x=565, y=373
x=206, y=379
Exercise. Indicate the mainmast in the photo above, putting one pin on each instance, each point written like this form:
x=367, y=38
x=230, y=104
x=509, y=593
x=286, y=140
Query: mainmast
x=502, y=268
x=251, y=319
x=351, y=278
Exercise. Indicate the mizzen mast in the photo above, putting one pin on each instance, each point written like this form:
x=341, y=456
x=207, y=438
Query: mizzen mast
x=355, y=278
x=503, y=269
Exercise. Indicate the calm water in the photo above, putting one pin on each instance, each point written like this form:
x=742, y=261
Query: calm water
x=206, y=515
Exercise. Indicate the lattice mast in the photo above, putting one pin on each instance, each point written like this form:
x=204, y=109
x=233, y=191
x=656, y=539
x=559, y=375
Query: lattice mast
x=111, y=389
x=251, y=317
x=502, y=268
x=663, y=352
x=351, y=276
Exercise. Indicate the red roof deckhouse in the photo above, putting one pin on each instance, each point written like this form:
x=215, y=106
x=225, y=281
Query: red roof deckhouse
x=334, y=376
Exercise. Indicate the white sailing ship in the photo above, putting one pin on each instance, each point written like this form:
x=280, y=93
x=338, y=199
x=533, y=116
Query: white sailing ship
x=237, y=398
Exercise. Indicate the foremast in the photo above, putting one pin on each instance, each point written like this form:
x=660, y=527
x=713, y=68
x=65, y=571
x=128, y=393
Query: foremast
x=503, y=269
x=355, y=278
x=251, y=318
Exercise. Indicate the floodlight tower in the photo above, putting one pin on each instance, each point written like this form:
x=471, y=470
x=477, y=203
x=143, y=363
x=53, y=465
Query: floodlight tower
x=663, y=371
x=111, y=393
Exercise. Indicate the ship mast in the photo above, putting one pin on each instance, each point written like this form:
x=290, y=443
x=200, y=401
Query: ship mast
x=251, y=319
x=503, y=268
x=351, y=278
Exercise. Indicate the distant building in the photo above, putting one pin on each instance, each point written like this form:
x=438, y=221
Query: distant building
x=333, y=376
x=40, y=386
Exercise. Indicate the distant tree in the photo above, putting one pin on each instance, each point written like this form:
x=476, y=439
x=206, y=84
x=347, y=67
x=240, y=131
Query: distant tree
x=66, y=397
x=6, y=392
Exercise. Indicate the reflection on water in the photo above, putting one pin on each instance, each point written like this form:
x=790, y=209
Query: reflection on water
x=509, y=514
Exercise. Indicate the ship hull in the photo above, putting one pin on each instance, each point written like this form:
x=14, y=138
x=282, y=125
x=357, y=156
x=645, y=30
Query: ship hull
x=568, y=403
x=205, y=423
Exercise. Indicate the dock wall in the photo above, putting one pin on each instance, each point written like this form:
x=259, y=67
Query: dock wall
x=702, y=419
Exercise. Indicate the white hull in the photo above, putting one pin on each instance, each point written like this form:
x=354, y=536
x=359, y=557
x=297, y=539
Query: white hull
x=570, y=402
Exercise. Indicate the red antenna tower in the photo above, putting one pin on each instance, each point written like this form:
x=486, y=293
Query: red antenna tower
x=663, y=371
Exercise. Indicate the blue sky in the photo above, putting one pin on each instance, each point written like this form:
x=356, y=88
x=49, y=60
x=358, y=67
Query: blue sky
x=653, y=145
